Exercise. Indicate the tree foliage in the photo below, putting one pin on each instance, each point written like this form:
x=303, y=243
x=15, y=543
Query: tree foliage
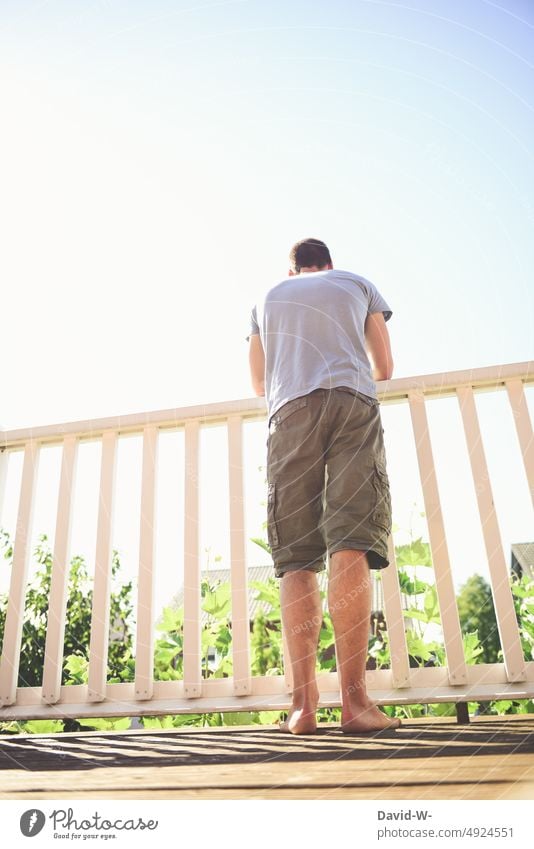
x=78, y=617
x=477, y=614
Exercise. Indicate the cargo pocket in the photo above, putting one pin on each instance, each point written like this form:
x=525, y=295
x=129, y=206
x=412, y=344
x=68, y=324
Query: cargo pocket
x=286, y=411
x=272, y=530
x=382, y=512
x=371, y=402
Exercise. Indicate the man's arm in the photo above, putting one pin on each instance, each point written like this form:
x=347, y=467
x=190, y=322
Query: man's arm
x=378, y=346
x=256, y=358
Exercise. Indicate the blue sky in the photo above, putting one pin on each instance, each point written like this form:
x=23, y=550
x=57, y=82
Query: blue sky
x=161, y=157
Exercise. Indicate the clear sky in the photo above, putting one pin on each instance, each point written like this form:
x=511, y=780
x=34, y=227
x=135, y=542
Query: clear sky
x=159, y=158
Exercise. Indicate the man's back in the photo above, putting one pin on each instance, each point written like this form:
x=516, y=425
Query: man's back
x=312, y=328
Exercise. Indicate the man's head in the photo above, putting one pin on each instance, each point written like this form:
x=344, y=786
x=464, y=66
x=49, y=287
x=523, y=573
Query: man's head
x=309, y=255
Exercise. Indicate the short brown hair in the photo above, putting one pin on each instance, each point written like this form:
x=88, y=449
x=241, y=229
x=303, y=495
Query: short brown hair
x=309, y=252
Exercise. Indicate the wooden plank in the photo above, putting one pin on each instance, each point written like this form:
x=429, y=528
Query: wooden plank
x=518, y=403
x=500, y=579
x=192, y=659
x=163, y=707
x=464, y=791
x=437, y=758
x=239, y=576
x=450, y=620
x=98, y=646
x=144, y=652
x=486, y=682
x=57, y=604
x=10, y=661
x=395, y=621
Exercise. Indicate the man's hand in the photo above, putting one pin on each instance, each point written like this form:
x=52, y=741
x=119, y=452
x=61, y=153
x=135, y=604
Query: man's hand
x=256, y=359
x=378, y=346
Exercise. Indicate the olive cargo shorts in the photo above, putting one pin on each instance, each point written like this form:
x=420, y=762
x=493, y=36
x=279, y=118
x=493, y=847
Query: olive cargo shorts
x=328, y=486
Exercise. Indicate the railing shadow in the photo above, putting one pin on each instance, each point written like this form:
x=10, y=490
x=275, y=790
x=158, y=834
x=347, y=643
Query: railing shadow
x=261, y=745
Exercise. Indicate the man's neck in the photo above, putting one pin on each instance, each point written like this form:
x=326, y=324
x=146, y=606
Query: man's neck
x=310, y=269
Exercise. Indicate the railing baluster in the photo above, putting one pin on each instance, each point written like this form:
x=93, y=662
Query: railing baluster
x=395, y=621
x=239, y=577
x=144, y=653
x=518, y=402
x=98, y=651
x=4, y=458
x=57, y=604
x=500, y=579
x=513, y=679
x=192, y=661
x=10, y=661
x=450, y=620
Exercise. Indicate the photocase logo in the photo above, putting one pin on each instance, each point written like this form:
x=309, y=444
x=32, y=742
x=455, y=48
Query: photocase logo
x=32, y=822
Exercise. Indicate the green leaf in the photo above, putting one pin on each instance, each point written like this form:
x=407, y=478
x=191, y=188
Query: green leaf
x=43, y=726
x=78, y=667
x=443, y=709
x=416, y=553
x=472, y=647
x=238, y=718
x=326, y=634
x=413, y=613
x=166, y=656
x=187, y=719
x=207, y=638
x=268, y=717
x=417, y=647
x=268, y=593
x=502, y=706
x=157, y=722
x=224, y=669
x=172, y=620
x=217, y=602
x=411, y=586
x=112, y=724
x=261, y=543
x=431, y=603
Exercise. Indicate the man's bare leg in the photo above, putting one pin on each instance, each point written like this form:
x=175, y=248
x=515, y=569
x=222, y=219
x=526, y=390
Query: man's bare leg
x=301, y=618
x=349, y=602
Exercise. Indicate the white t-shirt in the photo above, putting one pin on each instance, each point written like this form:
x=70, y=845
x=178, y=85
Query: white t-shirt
x=312, y=330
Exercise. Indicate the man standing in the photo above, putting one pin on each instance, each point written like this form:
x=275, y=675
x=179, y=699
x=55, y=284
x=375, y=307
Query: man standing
x=310, y=340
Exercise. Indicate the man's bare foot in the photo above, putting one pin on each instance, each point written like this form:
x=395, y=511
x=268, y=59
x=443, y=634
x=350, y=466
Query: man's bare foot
x=300, y=721
x=301, y=718
x=366, y=717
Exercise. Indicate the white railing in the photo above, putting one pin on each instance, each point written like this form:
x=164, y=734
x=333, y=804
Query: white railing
x=456, y=681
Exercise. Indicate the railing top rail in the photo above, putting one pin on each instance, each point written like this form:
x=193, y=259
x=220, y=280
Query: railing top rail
x=389, y=391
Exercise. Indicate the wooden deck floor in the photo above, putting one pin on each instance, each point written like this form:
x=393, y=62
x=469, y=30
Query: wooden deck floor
x=431, y=759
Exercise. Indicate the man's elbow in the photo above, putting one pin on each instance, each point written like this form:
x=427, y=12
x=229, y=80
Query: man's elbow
x=383, y=372
x=259, y=387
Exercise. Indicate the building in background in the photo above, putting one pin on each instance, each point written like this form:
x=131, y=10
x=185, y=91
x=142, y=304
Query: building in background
x=522, y=559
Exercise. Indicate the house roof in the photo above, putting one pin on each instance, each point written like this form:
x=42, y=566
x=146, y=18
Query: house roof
x=524, y=555
x=263, y=573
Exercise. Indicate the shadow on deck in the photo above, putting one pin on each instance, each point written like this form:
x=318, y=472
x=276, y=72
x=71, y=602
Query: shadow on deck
x=492, y=758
